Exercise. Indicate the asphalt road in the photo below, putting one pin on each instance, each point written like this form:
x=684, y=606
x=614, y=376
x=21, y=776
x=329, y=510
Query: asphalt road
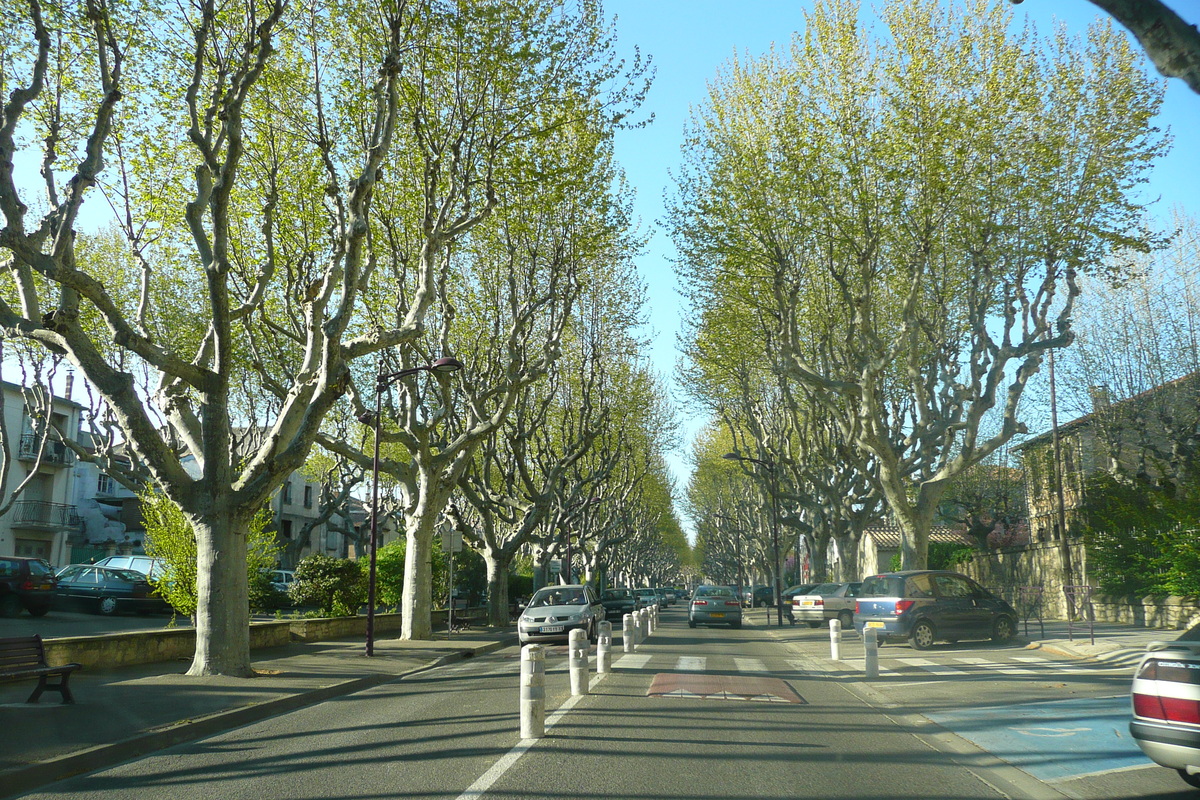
x=703, y=713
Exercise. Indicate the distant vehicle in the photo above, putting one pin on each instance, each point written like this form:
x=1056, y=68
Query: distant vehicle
x=646, y=597
x=25, y=583
x=714, y=605
x=282, y=579
x=671, y=596
x=760, y=596
x=107, y=590
x=826, y=601
x=926, y=606
x=554, y=611
x=151, y=567
x=617, y=603
x=1166, y=705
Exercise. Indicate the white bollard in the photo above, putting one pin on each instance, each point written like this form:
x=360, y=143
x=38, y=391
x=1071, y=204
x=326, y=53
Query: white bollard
x=578, y=661
x=533, y=691
x=604, y=648
x=629, y=633
x=871, y=645
x=835, y=639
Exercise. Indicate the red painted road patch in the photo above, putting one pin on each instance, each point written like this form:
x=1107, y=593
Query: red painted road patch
x=722, y=687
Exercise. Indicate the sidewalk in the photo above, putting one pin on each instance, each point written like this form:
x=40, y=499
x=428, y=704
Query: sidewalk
x=124, y=713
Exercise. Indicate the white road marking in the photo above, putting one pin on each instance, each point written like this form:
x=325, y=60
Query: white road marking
x=633, y=661
x=749, y=665
x=930, y=666
x=993, y=666
x=691, y=663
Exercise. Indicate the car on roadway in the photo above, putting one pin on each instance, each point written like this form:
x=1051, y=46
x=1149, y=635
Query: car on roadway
x=714, y=605
x=647, y=597
x=827, y=601
x=107, y=590
x=669, y=594
x=788, y=595
x=926, y=606
x=554, y=611
x=282, y=579
x=25, y=583
x=618, y=602
x=1166, y=705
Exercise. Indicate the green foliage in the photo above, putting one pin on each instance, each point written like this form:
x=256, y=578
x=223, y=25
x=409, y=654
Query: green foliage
x=338, y=587
x=170, y=538
x=1142, y=539
x=942, y=555
x=389, y=573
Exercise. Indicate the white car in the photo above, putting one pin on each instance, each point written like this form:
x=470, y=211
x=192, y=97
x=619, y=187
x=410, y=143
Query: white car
x=282, y=579
x=1166, y=705
x=554, y=611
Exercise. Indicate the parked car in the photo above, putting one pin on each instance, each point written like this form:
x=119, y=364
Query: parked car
x=714, y=605
x=827, y=601
x=760, y=596
x=25, y=583
x=1166, y=705
x=107, y=590
x=282, y=579
x=618, y=602
x=554, y=611
x=926, y=606
x=148, y=566
x=788, y=596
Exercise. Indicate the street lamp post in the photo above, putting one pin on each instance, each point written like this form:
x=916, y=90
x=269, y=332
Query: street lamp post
x=770, y=467
x=382, y=382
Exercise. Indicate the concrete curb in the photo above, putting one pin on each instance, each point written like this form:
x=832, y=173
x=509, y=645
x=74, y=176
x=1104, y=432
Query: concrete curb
x=28, y=778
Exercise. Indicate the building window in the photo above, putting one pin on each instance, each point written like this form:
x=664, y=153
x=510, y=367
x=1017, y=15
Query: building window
x=285, y=527
x=308, y=493
x=106, y=485
x=287, y=492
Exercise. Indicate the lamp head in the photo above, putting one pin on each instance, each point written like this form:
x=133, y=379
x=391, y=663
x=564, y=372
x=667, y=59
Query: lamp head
x=446, y=364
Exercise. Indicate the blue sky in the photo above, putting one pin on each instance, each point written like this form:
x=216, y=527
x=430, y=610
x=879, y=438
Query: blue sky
x=689, y=41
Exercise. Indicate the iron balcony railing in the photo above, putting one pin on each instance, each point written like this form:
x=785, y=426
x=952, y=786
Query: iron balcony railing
x=38, y=514
x=55, y=452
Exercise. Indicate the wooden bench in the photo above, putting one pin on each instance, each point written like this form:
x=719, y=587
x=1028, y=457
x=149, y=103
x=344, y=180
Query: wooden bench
x=25, y=657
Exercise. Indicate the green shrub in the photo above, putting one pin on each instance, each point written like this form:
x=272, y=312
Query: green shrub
x=337, y=587
x=170, y=538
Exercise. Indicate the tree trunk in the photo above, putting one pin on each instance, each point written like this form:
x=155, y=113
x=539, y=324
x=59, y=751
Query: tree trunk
x=223, y=603
x=497, y=591
x=415, y=605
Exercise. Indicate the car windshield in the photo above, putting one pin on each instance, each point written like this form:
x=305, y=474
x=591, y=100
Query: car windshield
x=616, y=594
x=39, y=569
x=557, y=597
x=715, y=592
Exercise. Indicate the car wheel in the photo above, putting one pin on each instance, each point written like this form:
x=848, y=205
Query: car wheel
x=1003, y=630
x=923, y=635
x=691, y=623
x=1190, y=779
x=847, y=619
x=107, y=606
x=39, y=611
x=10, y=605
x=812, y=624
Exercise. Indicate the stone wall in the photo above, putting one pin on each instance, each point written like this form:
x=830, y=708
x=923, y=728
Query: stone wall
x=179, y=644
x=1007, y=569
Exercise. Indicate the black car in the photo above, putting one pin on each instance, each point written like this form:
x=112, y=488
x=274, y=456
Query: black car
x=760, y=596
x=25, y=583
x=926, y=606
x=617, y=603
x=107, y=590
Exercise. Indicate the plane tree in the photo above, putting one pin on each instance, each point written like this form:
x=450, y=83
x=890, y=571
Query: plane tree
x=920, y=206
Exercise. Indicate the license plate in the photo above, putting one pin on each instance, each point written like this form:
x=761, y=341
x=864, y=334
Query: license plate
x=717, y=614
x=807, y=603
x=550, y=629
x=874, y=625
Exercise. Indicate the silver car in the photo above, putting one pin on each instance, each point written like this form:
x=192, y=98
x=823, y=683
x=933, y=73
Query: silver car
x=1166, y=705
x=826, y=601
x=714, y=605
x=554, y=611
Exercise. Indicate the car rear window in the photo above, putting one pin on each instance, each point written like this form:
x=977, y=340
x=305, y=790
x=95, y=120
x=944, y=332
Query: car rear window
x=39, y=569
x=882, y=586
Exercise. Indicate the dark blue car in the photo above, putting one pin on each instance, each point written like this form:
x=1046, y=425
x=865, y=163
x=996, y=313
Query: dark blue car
x=926, y=606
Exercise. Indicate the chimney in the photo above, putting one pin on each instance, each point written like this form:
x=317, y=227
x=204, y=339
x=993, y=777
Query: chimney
x=70, y=384
x=1100, y=397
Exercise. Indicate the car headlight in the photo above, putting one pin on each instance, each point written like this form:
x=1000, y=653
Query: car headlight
x=526, y=618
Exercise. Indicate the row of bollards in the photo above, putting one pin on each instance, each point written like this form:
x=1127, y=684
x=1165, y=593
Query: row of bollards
x=870, y=646
x=635, y=628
